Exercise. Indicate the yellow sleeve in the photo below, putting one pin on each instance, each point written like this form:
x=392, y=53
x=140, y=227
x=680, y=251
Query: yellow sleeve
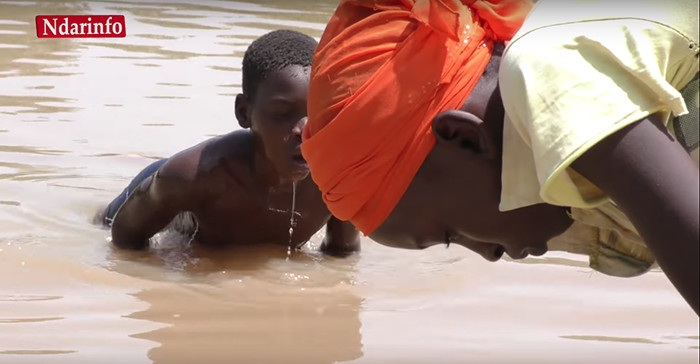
x=566, y=87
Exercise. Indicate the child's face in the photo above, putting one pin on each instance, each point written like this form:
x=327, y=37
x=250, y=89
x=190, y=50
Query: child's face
x=458, y=201
x=278, y=116
x=456, y=193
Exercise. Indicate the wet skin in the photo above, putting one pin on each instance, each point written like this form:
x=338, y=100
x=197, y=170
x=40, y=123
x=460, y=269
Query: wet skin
x=239, y=185
x=454, y=196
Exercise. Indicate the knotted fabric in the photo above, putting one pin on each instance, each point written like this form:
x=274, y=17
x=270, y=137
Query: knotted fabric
x=382, y=71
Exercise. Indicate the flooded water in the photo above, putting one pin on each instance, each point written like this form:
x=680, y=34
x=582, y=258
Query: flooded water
x=79, y=118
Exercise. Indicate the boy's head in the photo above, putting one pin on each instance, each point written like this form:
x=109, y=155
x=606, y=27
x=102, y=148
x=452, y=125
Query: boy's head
x=391, y=142
x=276, y=69
x=455, y=195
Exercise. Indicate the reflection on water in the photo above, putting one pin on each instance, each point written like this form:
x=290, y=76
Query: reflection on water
x=613, y=339
x=79, y=118
x=299, y=327
x=36, y=352
x=248, y=305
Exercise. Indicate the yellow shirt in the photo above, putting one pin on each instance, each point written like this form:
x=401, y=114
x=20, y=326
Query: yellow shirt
x=578, y=71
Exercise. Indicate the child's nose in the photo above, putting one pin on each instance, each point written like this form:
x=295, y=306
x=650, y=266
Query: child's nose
x=299, y=126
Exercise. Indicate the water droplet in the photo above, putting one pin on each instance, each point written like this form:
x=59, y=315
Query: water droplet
x=291, y=219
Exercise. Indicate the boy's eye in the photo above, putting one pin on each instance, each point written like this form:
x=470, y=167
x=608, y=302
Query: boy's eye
x=283, y=110
x=285, y=113
x=279, y=110
x=281, y=114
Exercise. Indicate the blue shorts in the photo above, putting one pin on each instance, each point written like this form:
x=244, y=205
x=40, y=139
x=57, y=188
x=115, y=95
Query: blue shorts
x=114, y=206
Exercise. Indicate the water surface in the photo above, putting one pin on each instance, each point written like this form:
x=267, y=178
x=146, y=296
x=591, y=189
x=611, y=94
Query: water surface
x=79, y=118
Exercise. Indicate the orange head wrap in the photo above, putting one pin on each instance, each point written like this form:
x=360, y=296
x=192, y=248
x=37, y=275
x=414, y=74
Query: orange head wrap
x=382, y=71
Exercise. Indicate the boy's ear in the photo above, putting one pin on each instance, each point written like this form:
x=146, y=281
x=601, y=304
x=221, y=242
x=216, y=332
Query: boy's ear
x=241, y=108
x=465, y=131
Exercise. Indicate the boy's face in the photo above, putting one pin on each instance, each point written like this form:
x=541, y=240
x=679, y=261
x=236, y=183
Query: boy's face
x=455, y=195
x=457, y=201
x=278, y=116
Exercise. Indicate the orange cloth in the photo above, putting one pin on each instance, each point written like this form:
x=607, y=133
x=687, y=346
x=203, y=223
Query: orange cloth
x=382, y=71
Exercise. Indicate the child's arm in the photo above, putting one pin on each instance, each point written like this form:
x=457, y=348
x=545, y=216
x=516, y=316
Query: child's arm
x=341, y=238
x=655, y=183
x=151, y=206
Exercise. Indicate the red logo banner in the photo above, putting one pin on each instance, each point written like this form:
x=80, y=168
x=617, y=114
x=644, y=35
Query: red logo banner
x=80, y=26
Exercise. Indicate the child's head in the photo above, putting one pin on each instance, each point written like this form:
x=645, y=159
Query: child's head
x=455, y=195
x=276, y=69
x=387, y=143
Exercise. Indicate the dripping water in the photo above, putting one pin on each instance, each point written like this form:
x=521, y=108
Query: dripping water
x=292, y=223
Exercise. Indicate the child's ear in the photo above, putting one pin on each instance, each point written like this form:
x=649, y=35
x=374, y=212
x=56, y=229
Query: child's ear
x=241, y=107
x=463, y=130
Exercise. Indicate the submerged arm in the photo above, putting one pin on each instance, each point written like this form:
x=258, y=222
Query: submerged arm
x=156, y=201
x=655, y=183
x=341, y=239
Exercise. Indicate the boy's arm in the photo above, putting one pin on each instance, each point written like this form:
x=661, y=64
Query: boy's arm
x=149, y=208
x=341, y=239
x=655, y=183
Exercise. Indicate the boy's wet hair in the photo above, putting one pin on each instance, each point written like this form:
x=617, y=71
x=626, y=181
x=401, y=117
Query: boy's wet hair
x=272, y=52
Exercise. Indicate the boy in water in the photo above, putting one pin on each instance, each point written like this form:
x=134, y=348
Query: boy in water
x=238, y=188
x=423, y=131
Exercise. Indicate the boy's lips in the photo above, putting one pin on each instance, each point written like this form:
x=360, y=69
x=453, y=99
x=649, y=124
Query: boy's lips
x=518, y=254
x=300, y=167
x=524, y=253
x=299, y=159
x=537, y=251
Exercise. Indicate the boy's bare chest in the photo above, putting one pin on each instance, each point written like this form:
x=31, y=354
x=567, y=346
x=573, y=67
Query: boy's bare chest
x=238, y=219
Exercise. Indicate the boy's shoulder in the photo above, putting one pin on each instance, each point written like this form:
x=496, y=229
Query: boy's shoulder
x=202, y=163
x=236, y=146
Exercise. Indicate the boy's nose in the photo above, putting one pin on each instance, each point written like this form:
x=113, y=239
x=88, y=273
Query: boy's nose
x=299, y=127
